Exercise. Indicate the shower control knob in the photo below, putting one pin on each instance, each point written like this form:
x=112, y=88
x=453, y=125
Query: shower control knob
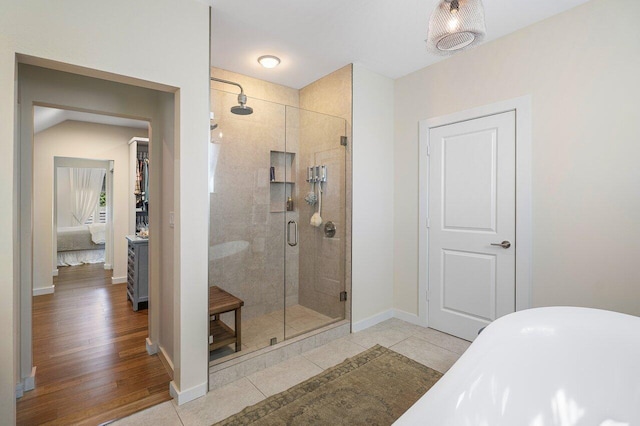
x=329, y=229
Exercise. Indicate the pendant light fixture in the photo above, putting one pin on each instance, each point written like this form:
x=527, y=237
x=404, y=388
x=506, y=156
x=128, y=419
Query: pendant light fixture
x=455, y=25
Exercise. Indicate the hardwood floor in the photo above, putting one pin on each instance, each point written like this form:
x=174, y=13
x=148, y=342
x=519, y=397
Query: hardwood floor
x=89, y=350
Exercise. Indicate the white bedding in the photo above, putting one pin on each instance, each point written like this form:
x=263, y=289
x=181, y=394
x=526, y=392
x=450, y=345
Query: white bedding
x=98, y=232
x=81, y=237
x=78, y=257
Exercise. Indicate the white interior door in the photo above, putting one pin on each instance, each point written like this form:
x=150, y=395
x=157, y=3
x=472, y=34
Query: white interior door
x=471, y=209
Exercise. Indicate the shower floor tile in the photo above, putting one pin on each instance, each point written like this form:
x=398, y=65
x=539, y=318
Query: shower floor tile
x=257, y=332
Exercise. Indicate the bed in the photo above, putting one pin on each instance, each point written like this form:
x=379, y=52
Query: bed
x=543, y=366
x=81, y=244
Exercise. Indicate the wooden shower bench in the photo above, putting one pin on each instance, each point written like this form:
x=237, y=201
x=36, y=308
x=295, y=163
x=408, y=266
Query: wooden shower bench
x=220, y=334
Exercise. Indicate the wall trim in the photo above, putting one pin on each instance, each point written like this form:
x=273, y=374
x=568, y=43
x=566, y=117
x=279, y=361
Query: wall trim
x=43, y=290
x=118, y=280
x=26, y=384
x=19, y=390
x=29, y=383
x=187, y=395
x=371, y=321
x=524, y=231
x=408, y=317
x=166, y=361
x=152, y=348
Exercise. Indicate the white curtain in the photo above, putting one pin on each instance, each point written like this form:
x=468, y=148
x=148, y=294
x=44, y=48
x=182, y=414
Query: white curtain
x=86, y=185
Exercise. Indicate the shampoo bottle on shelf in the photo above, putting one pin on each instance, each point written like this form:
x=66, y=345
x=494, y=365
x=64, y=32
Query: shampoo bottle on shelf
x=289, y=204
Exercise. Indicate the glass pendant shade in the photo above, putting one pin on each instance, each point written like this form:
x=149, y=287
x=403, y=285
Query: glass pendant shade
x=455, y=25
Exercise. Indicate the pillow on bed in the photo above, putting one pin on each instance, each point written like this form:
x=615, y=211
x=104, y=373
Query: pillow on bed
x=97, y=232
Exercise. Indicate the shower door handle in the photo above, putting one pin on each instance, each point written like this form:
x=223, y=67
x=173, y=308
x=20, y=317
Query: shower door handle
x=295, y=233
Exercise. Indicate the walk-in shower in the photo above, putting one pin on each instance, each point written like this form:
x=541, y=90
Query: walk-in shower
x=278, y=275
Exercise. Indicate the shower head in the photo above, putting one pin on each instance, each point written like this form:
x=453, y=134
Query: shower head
x=242, y=109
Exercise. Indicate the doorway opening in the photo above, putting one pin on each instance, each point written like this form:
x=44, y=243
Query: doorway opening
x=93, y=336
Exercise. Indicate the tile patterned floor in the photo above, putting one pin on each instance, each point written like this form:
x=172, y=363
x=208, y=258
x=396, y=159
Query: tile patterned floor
x=257, y=332
x=427, y=346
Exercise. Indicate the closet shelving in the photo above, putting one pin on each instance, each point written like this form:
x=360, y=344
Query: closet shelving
x=138, y=154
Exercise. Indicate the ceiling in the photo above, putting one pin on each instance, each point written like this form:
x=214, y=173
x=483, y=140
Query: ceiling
x=314, y=38
x=45, y=117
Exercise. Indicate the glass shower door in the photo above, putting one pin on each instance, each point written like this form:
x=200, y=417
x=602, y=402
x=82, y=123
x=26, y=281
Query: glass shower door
x=315, y=254
x=248, y=191
x=277, y=224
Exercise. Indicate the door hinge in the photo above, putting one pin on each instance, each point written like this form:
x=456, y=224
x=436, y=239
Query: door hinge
x=428, y=150
x=343, y=296
x=343, y=140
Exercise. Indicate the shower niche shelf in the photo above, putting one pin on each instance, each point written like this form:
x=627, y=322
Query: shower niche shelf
x=281, y=180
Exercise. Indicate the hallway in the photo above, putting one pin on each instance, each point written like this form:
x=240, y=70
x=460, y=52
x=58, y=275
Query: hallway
x=90, y=354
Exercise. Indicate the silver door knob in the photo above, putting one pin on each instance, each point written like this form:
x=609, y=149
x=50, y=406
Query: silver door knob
x=504, y=244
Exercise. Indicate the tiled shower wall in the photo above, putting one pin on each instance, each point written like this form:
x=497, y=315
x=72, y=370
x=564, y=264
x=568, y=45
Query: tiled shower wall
x=321, y=258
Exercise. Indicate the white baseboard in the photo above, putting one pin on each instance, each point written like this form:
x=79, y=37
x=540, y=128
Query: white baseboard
x=187, y=395
x=118, y=280
x=29, y=383
x=54, y=272
x=43, y=290
x=166, y=361
x=19, y=390
x=410, y=318
x=152, y=348
x=108, y=266
x=371, y=321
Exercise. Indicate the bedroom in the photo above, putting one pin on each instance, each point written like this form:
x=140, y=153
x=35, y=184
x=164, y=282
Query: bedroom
x=66, y=142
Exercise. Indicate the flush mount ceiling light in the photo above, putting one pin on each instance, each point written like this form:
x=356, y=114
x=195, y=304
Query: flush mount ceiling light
x=269, y=61
x=455, y=25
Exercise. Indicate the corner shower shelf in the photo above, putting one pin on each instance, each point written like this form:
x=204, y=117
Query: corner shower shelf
x=282, y=187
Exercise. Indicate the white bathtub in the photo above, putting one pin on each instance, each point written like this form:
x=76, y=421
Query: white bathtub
x=545, y=366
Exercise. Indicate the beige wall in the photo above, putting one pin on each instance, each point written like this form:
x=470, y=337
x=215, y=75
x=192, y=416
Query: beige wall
x=79, y=140
x=9, y=291
x=255, y=88
x=167, y=178
x=580, y=68
x=170, y=48
x=373, y=189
